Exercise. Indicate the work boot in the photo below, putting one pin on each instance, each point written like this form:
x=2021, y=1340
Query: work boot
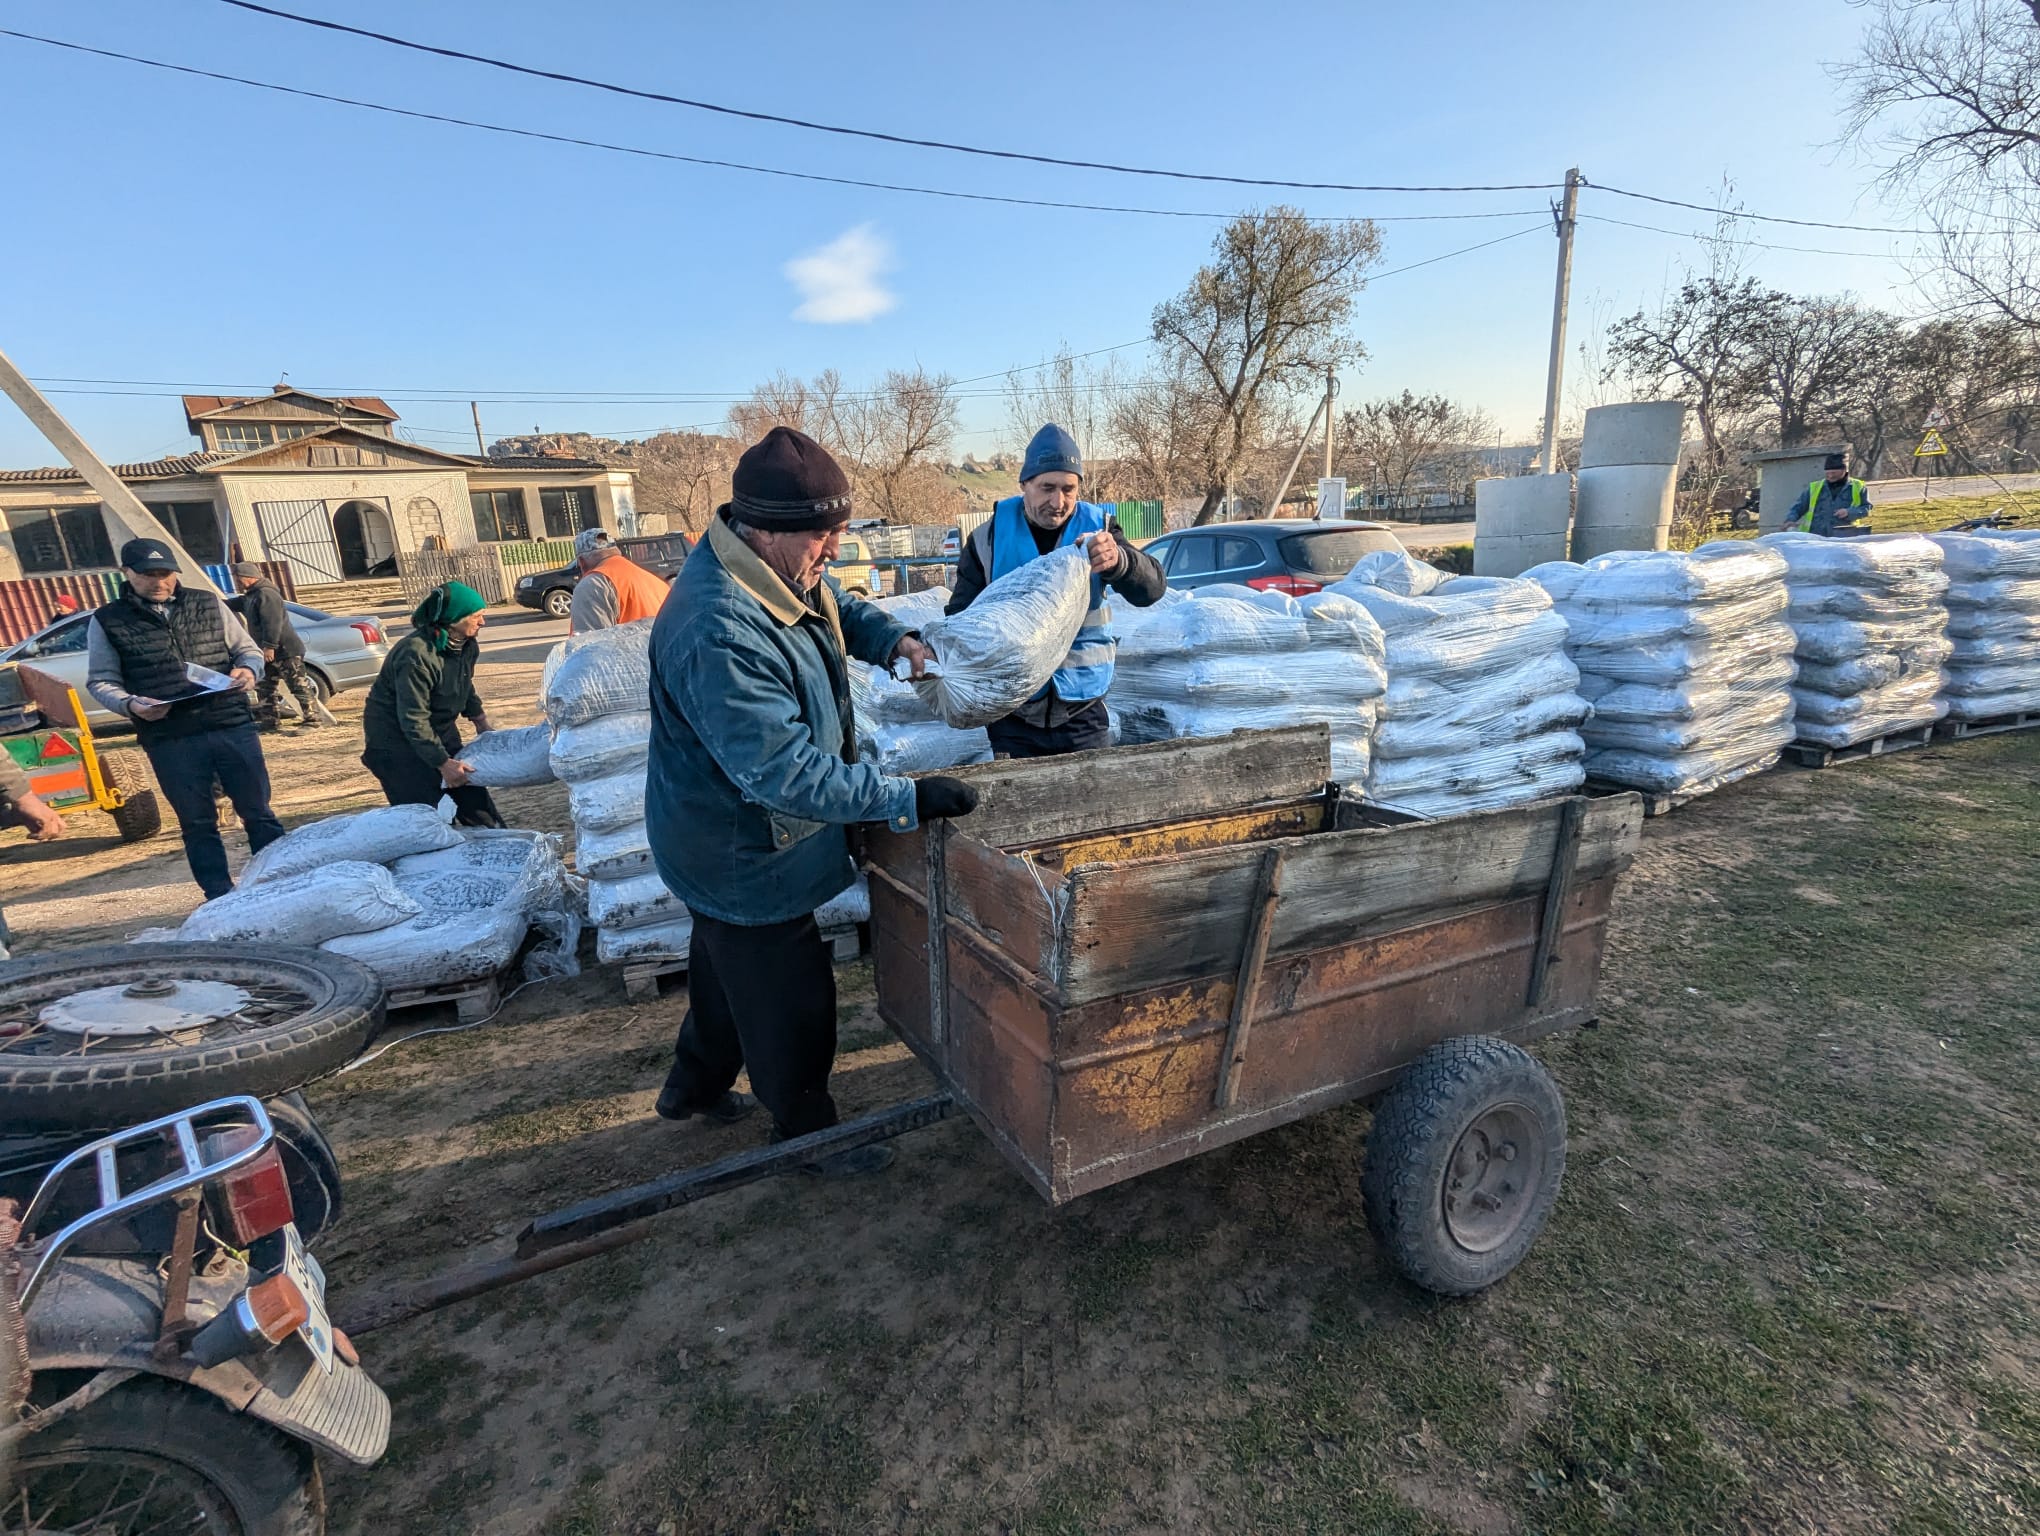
x=852, y=1164
x=727, y=1110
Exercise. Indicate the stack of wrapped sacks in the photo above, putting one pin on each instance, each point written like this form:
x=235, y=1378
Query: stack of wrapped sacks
x=1993, y=622
x=1870, y=621
x=423, y=904
x=1228, y=658
x=897, y=728
x=1483, y=707
x=1686, y=659
x=597, y=695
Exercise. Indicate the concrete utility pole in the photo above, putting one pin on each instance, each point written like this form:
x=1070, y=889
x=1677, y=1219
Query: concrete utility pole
x=1331, y=389
x=480, y=446
x=125, y=516
x=1565, y=217
x=1303, y=446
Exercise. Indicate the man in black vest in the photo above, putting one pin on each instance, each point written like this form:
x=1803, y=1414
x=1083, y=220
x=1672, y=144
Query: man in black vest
x=140, y=647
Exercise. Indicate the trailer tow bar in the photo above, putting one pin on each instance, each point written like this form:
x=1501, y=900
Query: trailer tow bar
x=622, y=1217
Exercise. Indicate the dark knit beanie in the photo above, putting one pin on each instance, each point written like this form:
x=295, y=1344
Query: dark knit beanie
x=1052, y=451
x=788, y=483
x=1837, y=461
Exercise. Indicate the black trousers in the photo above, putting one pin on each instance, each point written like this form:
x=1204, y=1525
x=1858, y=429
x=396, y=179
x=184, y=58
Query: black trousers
x=761, y=999
x=407, y=780
x=1084, y=731
x=186, y=768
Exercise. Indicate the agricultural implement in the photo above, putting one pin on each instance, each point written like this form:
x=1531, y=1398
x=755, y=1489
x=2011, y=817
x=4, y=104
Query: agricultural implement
x=71, y=771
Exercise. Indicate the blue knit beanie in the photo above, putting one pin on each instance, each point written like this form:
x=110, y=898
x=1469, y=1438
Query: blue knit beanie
x=1052, y=451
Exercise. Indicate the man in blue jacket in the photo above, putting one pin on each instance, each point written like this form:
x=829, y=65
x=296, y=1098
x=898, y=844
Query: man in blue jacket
x=754, y=782
x=1833, y=501
x=1068, y=715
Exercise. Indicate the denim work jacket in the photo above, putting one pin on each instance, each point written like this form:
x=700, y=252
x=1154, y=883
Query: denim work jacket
x=753, y=777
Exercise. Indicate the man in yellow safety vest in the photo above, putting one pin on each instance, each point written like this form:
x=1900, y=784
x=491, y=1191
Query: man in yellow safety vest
x=1826, y=504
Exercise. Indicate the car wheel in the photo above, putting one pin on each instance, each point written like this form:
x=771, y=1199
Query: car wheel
x=559, y=602
x=321, y=684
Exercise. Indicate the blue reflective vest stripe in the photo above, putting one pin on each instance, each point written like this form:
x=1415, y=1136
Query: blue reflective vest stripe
x=1805, y=524
x=1086, y=672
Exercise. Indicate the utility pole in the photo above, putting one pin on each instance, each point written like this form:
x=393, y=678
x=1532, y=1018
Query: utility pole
x=1565, y=218
x=1331, y=389
x=480, y=446
x=1303, y=446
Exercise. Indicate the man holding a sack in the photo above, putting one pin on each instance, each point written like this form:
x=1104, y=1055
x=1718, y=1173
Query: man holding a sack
x=1068, y=714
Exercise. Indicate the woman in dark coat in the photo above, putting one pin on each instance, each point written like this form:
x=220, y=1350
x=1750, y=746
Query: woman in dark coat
x=425, y=686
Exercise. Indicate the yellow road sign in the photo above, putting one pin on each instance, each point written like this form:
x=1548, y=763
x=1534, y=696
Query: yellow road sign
x=1930, y=445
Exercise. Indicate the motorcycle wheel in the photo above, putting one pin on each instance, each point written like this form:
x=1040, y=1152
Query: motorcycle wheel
x=304, y=1012
x=154, y=1456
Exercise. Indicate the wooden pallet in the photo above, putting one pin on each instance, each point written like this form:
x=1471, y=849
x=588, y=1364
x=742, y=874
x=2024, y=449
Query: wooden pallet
x=1654, y=802
x=641, y=977
x=473, y=1001
x=1990, y=725
x=1811, y=754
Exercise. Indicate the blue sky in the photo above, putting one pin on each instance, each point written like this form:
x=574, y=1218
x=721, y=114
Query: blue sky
x=212, y=236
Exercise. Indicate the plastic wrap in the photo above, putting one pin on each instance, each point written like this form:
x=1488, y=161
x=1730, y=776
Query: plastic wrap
x=1898, y=708
x=605, y=672
x=350, y=896
x=1990, y=553
x=601, y=747
x=1603, y=628
x=1879, y=560
x=464, y=890
x=849, y=906
x=1000, y=651
x=378, y=836
x=1217, y=626
x=1986, y=706
x=438, y=949
x=1434, y=735
x=632, y=902
x=1749, y=729
x=1993, y=666
x=1995, y=594
x=1911, y=602
x=513, y=759
x=671, y=939
x=1488, y=782
x=1260, y=682
x=923, y=746
x=612, y=855
x=1394, y=570
x=1721, y=571
x=1693, y=773
x=612, y=801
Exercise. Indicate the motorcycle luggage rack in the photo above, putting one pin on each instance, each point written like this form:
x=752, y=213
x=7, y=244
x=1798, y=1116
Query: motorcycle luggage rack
x=182, y=1128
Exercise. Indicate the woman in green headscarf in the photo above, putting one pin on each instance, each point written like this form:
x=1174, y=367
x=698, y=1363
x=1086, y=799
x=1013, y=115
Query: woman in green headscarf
x=426, y=684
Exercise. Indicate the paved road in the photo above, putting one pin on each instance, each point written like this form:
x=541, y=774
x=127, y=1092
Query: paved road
x=1888, y=492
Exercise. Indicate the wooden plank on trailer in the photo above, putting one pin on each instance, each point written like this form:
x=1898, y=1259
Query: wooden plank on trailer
x=1564, y=861
x=1169, y=919
x=1041, y=799
x=1247, y=986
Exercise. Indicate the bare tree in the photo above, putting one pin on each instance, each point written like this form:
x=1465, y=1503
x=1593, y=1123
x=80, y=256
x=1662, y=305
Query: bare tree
x=1158, y=424
x=1947, y=94
x=1408, y=440
x=1698, y=348
x=1810, y=352
x=891, y=439
x=1265, y=318
x=781, y=401
x=685, y=475
x=1081, y=397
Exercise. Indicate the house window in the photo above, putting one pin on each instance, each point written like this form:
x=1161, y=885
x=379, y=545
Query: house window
x=239, y=436
x=499, y=516
x=60, y=539
x=568, y=511
x=195, y=525
x=301, y=429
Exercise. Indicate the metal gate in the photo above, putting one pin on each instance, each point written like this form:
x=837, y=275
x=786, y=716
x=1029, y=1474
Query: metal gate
x=301, y=532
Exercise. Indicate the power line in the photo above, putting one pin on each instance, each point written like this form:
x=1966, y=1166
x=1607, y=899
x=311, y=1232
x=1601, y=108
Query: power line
x=728, y=165
x=1763, y=218
x=837, y=128
x=1762, y=245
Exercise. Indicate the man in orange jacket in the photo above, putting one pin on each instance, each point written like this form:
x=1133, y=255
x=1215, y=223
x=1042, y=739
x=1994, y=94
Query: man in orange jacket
x=612, y=590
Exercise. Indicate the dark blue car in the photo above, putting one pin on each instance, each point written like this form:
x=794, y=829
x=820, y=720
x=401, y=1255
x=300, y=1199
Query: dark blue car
x=1290, y=555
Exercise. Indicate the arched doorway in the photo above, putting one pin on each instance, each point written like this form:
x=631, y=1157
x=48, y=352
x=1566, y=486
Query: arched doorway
x=368, y=545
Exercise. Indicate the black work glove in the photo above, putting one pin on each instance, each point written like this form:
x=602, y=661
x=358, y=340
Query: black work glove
x=943, y=796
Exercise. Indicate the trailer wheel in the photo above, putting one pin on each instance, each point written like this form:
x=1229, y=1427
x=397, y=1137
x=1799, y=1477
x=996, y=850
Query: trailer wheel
x=140, y=813
x=1464, y=1163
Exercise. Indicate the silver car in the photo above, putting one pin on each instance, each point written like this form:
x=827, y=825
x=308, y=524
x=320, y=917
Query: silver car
x=340, y=653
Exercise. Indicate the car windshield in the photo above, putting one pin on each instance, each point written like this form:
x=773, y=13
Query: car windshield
x=1333, y=551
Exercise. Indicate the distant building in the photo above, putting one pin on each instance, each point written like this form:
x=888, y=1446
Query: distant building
x=321, y=482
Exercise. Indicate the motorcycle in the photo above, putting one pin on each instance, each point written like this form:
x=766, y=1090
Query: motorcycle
x=166, y=1359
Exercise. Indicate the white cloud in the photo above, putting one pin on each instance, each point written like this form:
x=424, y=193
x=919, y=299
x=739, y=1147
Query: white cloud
x=839, y=284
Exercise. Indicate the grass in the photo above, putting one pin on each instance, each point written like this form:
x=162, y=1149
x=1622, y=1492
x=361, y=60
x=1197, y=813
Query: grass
x=1899, y=517
x=1791, y=1284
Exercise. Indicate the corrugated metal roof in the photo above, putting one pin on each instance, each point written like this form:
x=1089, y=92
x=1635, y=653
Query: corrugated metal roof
x=532, y=461
x=200, y=405
x=154, y=469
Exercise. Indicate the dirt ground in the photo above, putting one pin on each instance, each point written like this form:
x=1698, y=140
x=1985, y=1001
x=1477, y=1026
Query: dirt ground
x=1791, y=1284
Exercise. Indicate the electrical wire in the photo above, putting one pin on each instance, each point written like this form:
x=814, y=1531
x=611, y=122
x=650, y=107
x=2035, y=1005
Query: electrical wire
x=1763, y=218
x=1762, y=245
x=857, y=133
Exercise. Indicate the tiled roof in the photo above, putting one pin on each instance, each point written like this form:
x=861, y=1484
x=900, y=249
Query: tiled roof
x=199, y=405
x=532, y=461
x=154, y=469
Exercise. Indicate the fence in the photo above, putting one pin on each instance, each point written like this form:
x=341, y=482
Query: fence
x=1141, y=519
x=491, y=569
x=26, y=603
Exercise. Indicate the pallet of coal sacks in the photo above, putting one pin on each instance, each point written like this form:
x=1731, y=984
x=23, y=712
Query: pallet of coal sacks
x=645, y=929
x=1992, y=725
x=1812, y=754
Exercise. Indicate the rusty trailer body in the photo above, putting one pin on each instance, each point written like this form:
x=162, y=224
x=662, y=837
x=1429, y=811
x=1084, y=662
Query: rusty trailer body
x=1105, y=999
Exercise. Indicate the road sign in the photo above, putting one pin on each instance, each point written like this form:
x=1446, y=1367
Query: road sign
x=1930, y=445
x=1937, y=417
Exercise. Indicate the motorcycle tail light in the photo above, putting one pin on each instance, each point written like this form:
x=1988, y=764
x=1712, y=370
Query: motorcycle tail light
x=273, y=1309
x=252, y=1201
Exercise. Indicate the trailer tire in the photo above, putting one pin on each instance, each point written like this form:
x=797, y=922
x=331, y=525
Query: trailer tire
x=140, y=813
x=230, y=1468
x=1464, y=1163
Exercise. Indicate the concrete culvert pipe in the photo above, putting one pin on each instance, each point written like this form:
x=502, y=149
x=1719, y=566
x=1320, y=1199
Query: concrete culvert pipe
x=1520, y=522
x=1642, y=432
x=1623, y=506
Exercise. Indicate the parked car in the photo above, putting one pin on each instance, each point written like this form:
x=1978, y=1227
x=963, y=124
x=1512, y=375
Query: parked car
x=340, y=653
x=952, y=544
x=1272, y=555
x=853, y=569
x=553, y=591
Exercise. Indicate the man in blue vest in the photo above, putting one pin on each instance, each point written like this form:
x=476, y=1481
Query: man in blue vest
x=1068, y=715
x=1828, y=503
